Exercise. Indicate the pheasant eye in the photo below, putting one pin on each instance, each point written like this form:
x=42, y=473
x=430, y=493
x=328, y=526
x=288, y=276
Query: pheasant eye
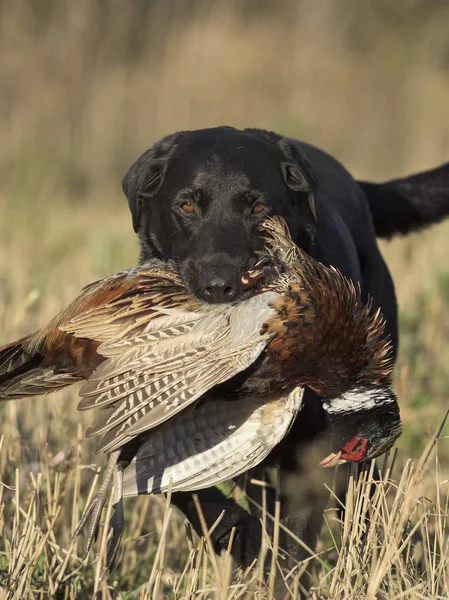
x=259, y=208
x=188, y=207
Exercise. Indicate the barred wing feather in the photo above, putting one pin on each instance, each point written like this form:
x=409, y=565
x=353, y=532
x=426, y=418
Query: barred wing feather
x=155, y=408
x=150, y=377
x=142, y=303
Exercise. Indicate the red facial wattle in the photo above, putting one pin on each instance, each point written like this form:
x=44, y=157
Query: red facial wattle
x=355, y=449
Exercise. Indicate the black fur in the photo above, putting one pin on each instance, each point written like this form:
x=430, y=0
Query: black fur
x=224, y=176
x=224, y=173
x=409, y=204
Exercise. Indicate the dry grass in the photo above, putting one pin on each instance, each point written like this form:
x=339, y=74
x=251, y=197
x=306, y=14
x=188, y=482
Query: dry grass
x=393, y=542
x=88, y=86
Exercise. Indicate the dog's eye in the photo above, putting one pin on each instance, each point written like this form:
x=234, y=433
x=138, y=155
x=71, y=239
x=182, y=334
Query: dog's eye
x=188, y=207
x=259, y=208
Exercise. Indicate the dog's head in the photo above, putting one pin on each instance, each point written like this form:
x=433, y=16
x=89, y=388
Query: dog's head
x=197, y=198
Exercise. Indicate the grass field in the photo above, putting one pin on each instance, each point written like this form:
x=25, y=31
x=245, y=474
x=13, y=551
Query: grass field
x=83, y=98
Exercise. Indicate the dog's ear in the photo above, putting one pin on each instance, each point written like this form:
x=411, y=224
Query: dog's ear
x=141, y=179
x=297, y=181
x=144, y=178
x=300, y=177
x=296, y=169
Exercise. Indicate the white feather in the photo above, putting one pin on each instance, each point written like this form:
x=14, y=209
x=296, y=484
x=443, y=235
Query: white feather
x=359, y=399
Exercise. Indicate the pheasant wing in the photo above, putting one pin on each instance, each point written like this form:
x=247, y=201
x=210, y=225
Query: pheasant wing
x=122, y=305
x=162, y=356
x=211, y=442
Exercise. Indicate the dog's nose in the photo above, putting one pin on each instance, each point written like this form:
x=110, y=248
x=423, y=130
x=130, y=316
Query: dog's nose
x=220, y=289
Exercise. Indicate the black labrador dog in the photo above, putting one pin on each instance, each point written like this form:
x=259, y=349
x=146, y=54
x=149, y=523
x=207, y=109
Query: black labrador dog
x=196, y=198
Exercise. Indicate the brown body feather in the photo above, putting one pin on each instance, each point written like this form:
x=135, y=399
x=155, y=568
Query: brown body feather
x=350, y=346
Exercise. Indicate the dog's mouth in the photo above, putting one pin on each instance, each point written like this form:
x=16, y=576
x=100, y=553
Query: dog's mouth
x=262, y=270
x=266, y=269
x=248, y=280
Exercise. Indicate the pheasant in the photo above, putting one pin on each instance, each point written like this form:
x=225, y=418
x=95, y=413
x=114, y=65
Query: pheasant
x=193, y=394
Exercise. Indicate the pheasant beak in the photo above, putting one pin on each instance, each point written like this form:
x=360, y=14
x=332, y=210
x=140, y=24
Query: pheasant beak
x=332, y=460
x=354, y=450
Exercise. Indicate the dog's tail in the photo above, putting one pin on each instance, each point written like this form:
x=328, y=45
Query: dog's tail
x=404, y=205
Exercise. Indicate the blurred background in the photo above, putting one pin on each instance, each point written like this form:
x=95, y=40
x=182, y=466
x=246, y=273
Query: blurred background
x=87, y=86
